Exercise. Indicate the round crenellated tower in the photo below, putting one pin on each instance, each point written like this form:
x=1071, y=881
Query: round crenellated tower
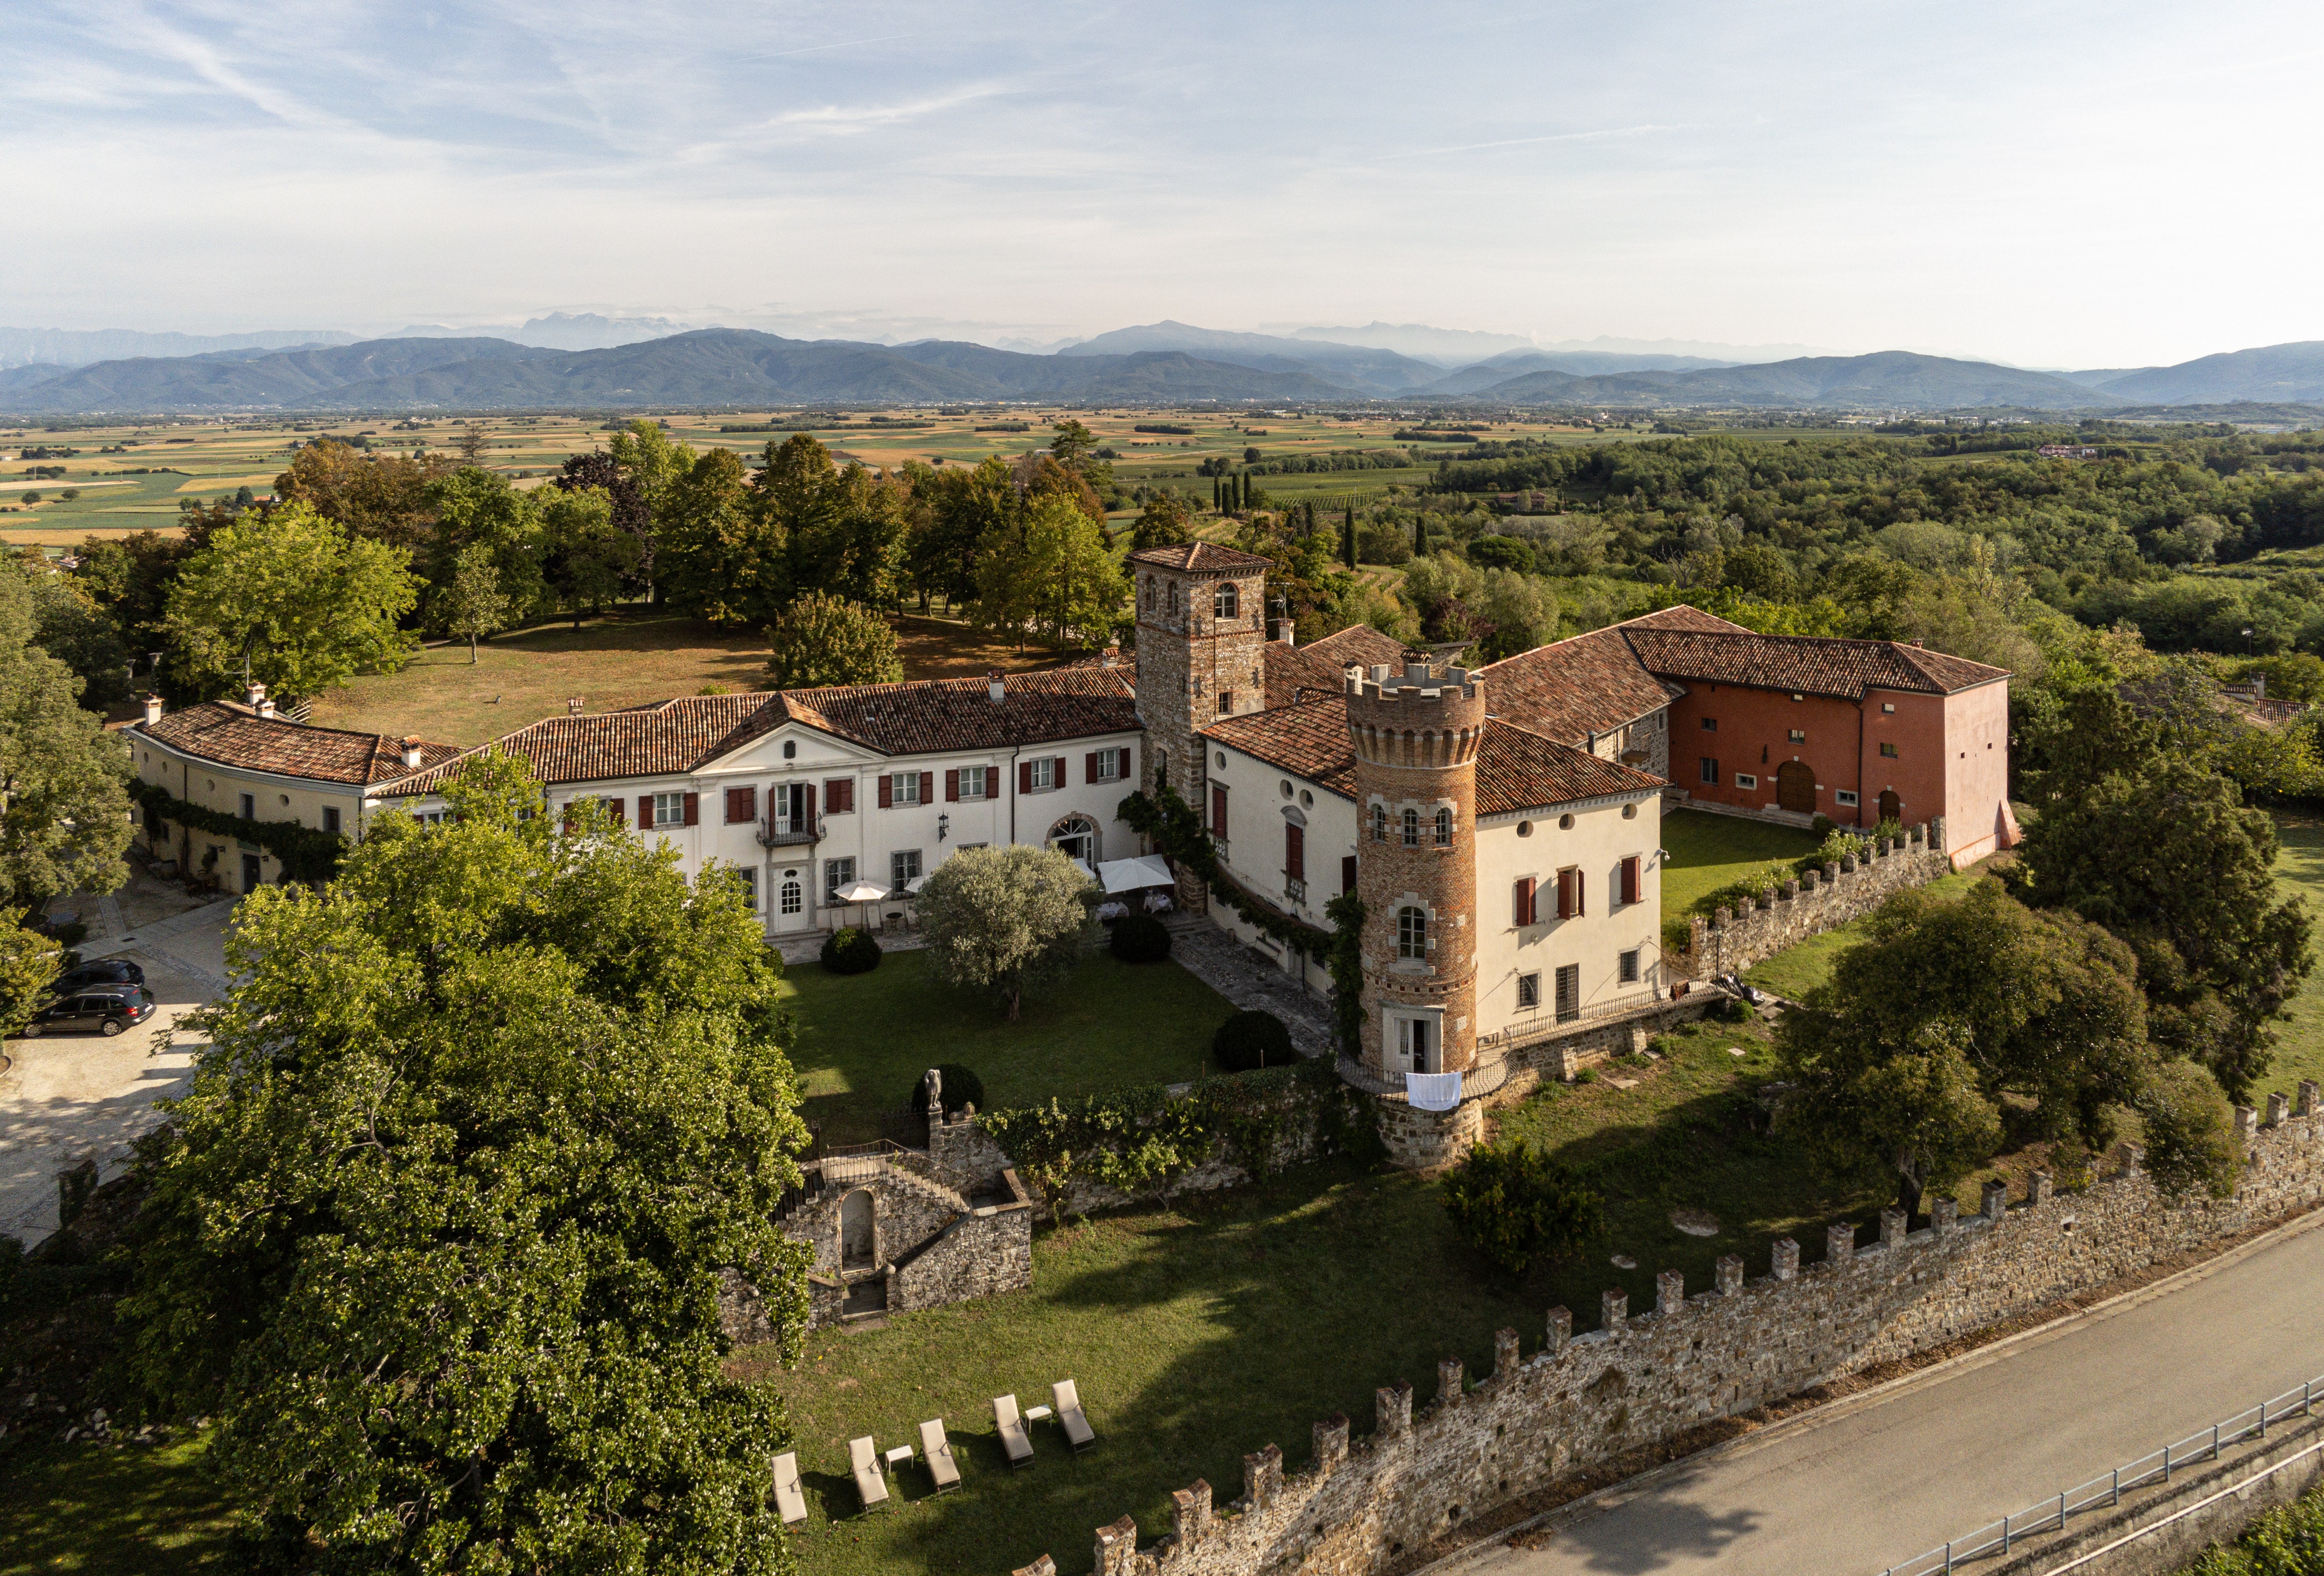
x=1417, y=732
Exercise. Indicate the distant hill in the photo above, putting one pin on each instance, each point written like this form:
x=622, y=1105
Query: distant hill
x=2293, y=373
x=1441, y=347
x=1577, y=363
x=83, y=346
x=708, y=367
x=1358, y=367
x=1884, y=380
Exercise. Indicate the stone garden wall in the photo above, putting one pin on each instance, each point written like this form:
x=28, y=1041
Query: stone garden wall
x=1364, y=1505
x=1729, y=942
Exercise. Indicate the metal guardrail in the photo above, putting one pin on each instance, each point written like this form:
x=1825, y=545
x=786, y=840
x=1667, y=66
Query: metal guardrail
x=1996, y=1537
x=1550, y=1025
x=1483, y=1078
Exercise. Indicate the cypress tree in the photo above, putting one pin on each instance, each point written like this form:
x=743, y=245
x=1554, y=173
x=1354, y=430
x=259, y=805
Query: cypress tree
x=1419, y=536
x=1348, y=539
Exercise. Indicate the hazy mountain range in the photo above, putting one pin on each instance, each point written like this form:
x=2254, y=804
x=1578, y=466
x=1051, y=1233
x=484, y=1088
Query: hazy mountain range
x=1153, y=364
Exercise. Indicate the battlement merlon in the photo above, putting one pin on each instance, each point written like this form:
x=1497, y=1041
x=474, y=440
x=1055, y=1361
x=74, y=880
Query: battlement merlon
x=1433, y=721
x=1418, y=682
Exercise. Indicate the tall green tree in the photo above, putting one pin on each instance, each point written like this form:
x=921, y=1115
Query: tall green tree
x=966, y=504
x=479, y=509
x=587, y=558
x=292, y=594
x=1161, y=523
x=819, y=640
x=437, y=1243
x=1049, y=575
x=1008, y=922
x=718, y=558
x=1348, y=539
x=29, y=961
x=474, y=605
x=1074, y=446
x=69, y=624
x=64, y=810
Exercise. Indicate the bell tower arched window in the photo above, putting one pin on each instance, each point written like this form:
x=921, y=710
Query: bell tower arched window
x=1411, y=932
x=1443, y=828
x=1379, y=823
x=1412, y=828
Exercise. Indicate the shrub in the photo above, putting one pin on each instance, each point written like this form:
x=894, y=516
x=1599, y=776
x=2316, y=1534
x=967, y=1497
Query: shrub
x=1250, y=1040
x=962, y=1087
x=1516, y=1206
x=1838, y=844
x=851, y=952
x=1502, y=552
x=2288, y=1541
x=1822, y=824
x=1140, y=938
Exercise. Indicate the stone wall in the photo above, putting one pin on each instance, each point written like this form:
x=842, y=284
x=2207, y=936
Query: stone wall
x=1727, y=942
x=975, y=1256
x=1578, y=1402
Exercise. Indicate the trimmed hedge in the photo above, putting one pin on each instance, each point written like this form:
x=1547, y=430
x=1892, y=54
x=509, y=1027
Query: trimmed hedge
x=851, y=952
x=1140, y=938
x=1251, y=1040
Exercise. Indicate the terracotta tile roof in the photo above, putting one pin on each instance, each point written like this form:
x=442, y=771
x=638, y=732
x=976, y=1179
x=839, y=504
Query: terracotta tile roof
x=1515, y=769
x=664, y=738
x=1308, y=741
x=1201, y=557
x=1808, y=663
x=1588, y=684
x=236, y=735
x=1293, y=673
x=1521, y=770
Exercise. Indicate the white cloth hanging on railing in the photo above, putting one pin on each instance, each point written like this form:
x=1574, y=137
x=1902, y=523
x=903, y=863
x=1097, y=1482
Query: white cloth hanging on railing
x=1432, y=1090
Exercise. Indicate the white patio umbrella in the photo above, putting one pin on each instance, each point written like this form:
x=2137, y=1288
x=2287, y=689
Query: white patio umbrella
x=1130, y=875
x=860, y=893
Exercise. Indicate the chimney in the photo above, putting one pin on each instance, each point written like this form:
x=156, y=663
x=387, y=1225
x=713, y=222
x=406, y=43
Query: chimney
x=152, y=708
x=412, y=750
x=252, y=694
x=995, y=687
x=1916, y=645
x=266, y=706
x=573, y=705
x=1287, y=632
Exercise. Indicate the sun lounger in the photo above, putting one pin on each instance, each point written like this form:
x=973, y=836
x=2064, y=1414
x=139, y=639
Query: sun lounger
x=789, y=1498
x=1068, y=1403
x=936, y=1449
x=1013, y=1437
x=871, y=1482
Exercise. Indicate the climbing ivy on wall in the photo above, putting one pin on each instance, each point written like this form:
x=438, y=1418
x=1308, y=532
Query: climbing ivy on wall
x=308, y=855
x=1174, y=824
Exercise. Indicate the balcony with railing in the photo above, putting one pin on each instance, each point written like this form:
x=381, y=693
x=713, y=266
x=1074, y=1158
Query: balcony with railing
x=781, y=832
x=1294, y=888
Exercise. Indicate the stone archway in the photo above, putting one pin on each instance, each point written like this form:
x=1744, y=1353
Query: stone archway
x=1795, y=787
x=858, y=1237
x=1077, y=837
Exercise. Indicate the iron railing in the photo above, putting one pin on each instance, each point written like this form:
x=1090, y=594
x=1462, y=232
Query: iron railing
x=1550, y=1025
x=2051, y=1515
x=1488, y=1076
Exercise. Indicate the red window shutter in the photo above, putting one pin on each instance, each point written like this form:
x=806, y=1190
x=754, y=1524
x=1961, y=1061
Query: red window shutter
x=1347, y=872
x=616, y=807
x=839, y=795
x=1630, y=878
x=887, y=792
x=1295, y=852
x=810, y=802
x=952, y=785
x=694, y=809
x=1218, y=812
x=1057, y=777
x=1565, y=894
x=1024, y=777
x=1089, y=766
x=645, y=812
x=742, y=805
x=1524, y=901
x=927, y=788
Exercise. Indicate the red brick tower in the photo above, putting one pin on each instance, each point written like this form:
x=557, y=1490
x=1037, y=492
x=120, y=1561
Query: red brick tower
x=1417, y=734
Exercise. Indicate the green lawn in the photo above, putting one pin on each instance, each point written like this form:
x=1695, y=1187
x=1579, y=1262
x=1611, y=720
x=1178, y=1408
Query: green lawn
x=1798, y=970
x=864, y=1039
x=2300, y=1039
x=1194, y=1334
x=106, y=1510
x=1708, y=851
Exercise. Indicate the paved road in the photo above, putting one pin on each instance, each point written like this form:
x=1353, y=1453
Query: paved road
x=1856, y=1489
x=63, y=1097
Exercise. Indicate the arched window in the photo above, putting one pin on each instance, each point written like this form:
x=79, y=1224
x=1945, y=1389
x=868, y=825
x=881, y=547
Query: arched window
x=1150, y=594
x=792, y=896
x=1443, y=828
x=1173, y=596
x=1412, y=828
x=1379, y=823
x=1222, y=604
x=1411, y=932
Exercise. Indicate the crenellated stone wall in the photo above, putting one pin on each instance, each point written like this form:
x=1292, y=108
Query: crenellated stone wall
x=1576, y=1402
x=1729, y=941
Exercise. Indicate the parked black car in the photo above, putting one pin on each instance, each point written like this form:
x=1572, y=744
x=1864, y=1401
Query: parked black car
x=96, y=976
x=96, y=1012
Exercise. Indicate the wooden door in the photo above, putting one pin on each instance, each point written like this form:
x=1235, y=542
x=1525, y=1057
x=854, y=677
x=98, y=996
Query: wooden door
x=1892, y=808
x=1795, y=787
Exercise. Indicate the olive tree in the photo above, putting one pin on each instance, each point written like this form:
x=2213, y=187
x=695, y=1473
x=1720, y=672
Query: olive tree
x=1010, y=921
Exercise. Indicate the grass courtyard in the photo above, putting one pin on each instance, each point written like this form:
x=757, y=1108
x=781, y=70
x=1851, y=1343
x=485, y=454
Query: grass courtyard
x=864, y=1039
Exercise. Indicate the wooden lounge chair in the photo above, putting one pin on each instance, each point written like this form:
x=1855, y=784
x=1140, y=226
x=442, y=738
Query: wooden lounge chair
x=1067, y=1401
x=871, y=1482
x=1013, y=1437
x=938, y=1451
x=788, y=1497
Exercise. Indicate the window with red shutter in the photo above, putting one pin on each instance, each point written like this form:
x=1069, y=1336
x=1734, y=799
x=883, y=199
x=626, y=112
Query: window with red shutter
x=1566, y=907
x=1218, y=812
x=1089, y=766
x=742, y=805
x=694, y=809
x=952, y=785
x=1024, y=777
x=839, y=795
x=1630, y=878
x=1524, y=901
x=887, y=792
x=927, y=788
x=1057, y=777
x=1295, y=852
x=645, y=812
x=615, y=808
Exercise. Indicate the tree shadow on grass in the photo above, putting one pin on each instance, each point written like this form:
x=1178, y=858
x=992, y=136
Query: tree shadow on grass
x=100, y=1509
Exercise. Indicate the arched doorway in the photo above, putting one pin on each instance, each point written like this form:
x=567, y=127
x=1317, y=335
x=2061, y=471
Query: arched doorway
x=1075, y=836
x=859, y=1241
x=1892, y=808
x=1795, y=787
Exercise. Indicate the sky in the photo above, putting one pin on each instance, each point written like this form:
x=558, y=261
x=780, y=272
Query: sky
x=2047, y=184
